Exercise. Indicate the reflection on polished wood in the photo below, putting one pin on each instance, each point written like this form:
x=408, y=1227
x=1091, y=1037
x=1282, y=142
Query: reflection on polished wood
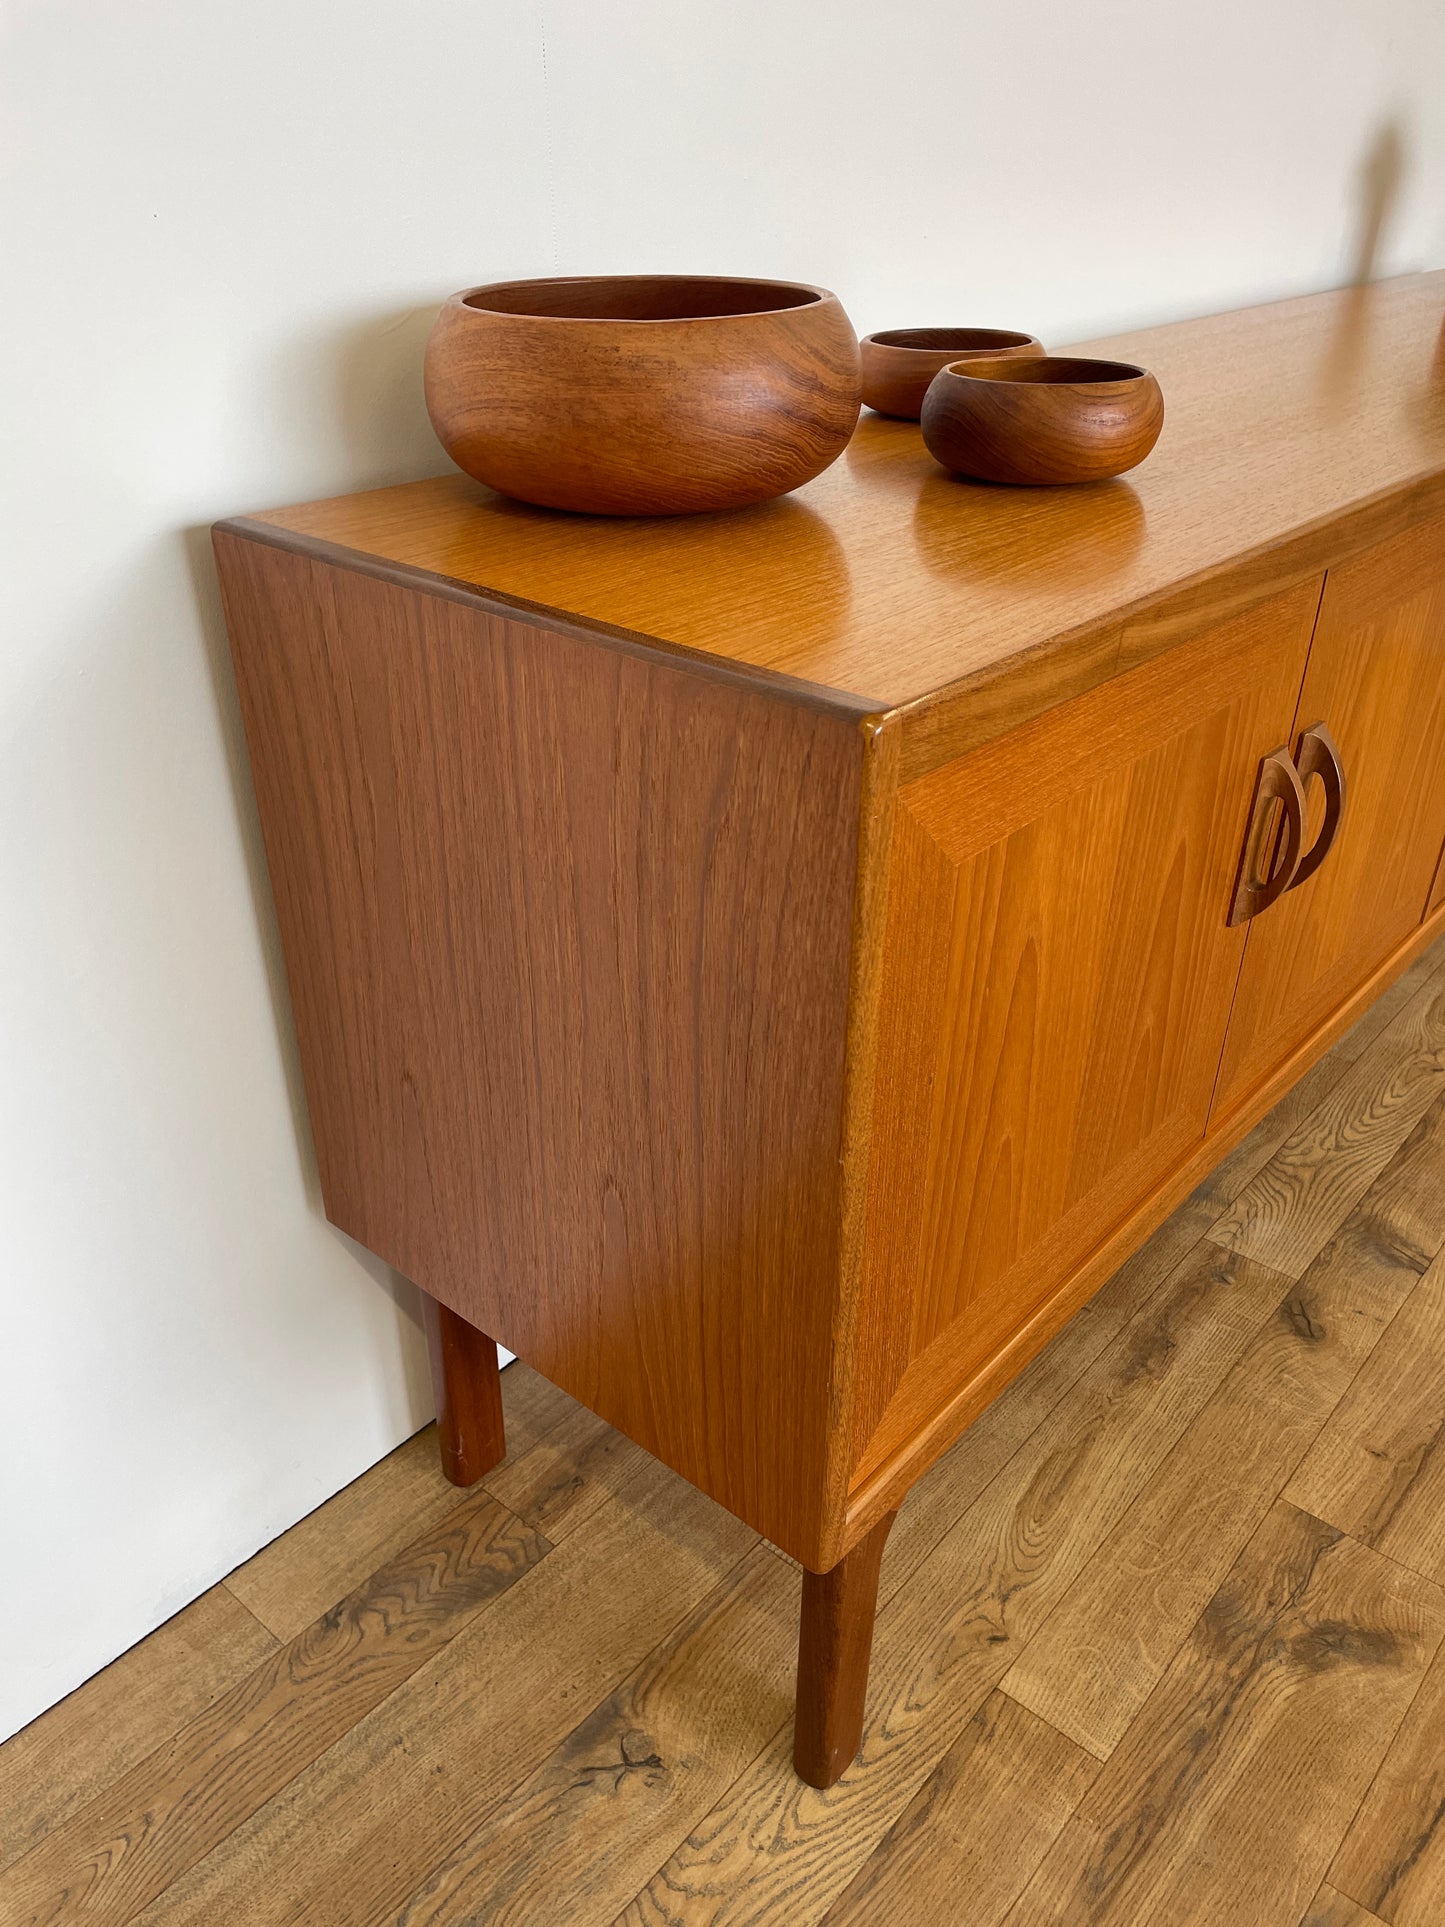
x=1089, y=536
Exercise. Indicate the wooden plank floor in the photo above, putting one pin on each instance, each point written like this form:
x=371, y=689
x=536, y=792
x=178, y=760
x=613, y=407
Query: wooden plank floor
x=1160, y=1640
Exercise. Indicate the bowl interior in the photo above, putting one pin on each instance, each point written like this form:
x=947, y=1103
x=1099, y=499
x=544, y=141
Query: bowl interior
x=1060, y=371
x=641, y=297
x=960, y=341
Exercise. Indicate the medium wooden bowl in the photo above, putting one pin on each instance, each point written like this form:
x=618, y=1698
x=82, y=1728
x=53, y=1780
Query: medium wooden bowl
x=643, y=394
x=1055, y=418
x=899, y=364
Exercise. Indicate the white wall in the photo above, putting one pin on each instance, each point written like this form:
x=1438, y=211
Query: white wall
x=222, y=233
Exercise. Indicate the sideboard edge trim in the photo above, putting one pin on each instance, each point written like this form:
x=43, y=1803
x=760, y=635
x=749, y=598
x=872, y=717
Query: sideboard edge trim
x=768, y=682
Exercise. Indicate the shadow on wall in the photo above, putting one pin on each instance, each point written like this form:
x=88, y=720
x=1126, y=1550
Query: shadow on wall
x=376, y=379
x=405, y=1296
x=387, y=436
x=202, y=565
x=1380, y=177
x=372, y=371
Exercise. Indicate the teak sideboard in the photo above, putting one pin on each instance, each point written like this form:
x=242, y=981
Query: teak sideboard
x=769, y=969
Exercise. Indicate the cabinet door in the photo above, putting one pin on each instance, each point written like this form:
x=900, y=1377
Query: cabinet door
x=1376, y=678
x=1056, y=985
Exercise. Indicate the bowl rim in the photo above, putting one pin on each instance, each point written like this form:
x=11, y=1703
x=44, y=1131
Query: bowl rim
x=1015, y=338
x=813, y=297
x=997, y=370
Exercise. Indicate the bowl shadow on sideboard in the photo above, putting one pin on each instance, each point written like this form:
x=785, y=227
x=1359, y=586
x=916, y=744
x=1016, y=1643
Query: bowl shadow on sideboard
x=989, y=532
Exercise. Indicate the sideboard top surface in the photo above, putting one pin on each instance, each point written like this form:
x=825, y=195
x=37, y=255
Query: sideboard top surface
x=887, y=582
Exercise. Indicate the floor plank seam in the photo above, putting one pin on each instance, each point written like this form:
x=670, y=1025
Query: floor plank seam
x=1074, y=1739
x=1390, y=1558
x=1288, y=1279
x=281, y=1639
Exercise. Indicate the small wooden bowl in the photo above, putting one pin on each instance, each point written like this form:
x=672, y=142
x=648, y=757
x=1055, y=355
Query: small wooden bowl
x=899, y=364
x=1055, y=418
x=643, y=394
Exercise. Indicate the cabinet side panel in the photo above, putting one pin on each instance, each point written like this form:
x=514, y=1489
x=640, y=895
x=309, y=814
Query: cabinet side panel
x=567, y=930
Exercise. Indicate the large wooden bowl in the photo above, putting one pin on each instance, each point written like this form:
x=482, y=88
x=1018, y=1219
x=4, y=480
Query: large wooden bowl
x=643, y=394
x=1054, y=418
x=899, y=364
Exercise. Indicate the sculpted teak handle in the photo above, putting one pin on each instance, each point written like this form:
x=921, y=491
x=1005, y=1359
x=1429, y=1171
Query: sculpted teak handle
x=1319, y=756
x=1278, y=782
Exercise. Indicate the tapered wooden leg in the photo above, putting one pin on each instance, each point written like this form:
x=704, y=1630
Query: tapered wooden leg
x=834, y=1643
x=468, y=1389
